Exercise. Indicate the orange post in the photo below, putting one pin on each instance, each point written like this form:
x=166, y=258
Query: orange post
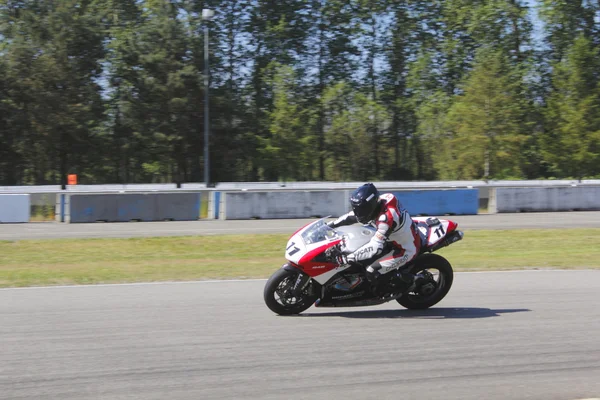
x=72, y=179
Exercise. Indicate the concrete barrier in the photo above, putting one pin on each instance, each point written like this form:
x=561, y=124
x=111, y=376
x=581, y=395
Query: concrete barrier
x=15, y=208
x=306, y=204
x=440, y=202
x=76, y=208
x=40, y=200
x=579, y=198
x=278, y=205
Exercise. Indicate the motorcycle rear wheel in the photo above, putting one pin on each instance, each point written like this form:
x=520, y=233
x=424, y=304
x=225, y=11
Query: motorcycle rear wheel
x=278, y=294
x=431, y=291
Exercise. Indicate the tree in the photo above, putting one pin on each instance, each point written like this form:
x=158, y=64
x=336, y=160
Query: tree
x=403, y=41
x=230, y=76
x=487, y=121
x=565, y=20
x=351, y=121
x=467, y=25
x=278, y=31
x=333, y=59
x=572, y=141
x=429, y=104
x=113, y=90
x=288, y=152
x=55, y=47
x=10, y=151
x=121, y=20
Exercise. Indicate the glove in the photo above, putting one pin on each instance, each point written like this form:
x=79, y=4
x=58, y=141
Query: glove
x=344, y=259
x=331, y=224
x=332, y=253
x=341, y=259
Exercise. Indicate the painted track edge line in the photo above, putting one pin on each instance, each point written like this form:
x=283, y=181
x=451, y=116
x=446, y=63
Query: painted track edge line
x=259, y=280
x=134, y=284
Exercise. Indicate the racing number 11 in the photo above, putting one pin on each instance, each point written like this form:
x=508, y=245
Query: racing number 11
x=294, y=251
x=440, y=231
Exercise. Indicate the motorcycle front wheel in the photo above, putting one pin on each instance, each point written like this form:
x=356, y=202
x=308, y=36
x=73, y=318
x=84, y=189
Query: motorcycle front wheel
x=435, y=276
x=279, y=296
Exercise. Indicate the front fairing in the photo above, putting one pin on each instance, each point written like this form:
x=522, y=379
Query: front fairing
x=312, y=236
x=306, y=248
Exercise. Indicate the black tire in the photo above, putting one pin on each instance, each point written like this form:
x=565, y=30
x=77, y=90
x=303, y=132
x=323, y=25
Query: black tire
x=419, y=301
x=277, y=285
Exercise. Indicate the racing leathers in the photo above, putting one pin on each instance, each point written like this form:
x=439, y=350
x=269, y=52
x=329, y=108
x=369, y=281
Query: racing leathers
x=395, y=243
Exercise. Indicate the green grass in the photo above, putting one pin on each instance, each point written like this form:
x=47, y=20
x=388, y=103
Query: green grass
x=87, y=261
x=526, y=249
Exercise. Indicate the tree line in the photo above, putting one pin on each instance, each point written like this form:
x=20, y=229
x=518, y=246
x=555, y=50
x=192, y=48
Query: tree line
x=113, y=90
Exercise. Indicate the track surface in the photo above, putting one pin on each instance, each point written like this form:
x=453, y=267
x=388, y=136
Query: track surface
x=50, y=230
x=515, y=335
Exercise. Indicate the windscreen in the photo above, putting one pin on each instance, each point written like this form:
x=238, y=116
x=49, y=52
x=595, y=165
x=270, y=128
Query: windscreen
x=318, y=233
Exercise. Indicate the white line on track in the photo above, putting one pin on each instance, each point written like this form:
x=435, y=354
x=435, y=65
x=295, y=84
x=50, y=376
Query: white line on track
x=132, y=284
x=263, y=280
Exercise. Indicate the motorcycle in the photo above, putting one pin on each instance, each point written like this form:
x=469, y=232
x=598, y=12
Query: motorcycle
x=311, y=275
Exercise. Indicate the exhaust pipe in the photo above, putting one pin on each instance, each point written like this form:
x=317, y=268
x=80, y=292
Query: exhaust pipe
x=452, y=238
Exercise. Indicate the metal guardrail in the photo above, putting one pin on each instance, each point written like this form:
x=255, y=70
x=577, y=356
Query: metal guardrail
x=251, y=186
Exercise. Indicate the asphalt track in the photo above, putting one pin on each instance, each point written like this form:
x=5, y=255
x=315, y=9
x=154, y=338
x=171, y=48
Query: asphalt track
x=505, y=335
x=509, y=335
x=51, y=230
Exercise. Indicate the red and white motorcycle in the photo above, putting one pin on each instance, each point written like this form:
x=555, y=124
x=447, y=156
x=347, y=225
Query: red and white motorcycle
x=312, y=276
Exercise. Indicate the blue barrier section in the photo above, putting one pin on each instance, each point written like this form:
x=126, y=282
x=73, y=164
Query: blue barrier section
x=133, y=207
x=440, y=202
x=217, y=204
x=198, y=205
x=62, y=208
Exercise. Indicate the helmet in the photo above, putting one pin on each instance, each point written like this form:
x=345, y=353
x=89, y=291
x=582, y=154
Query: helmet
x=365, y=202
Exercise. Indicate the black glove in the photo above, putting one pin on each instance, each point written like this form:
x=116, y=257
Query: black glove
x=331, y=224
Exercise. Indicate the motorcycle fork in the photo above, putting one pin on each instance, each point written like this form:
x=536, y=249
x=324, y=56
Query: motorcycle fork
x=300, y=283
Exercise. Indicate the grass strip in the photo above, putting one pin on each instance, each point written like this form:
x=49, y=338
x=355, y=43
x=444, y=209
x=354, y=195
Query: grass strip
x=92, y=261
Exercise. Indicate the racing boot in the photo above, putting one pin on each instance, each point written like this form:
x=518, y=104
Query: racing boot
x=399, y=281
x=373, y=276
x=405, y=277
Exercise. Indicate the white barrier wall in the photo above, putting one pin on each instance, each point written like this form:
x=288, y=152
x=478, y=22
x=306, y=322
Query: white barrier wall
x=579, y=198
x=277, y=205
x=14, y=208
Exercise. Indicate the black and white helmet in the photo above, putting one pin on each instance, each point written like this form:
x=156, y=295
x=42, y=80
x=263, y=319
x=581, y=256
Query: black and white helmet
x=365, y=203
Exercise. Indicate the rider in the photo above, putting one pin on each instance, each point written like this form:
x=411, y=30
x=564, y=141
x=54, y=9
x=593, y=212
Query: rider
x=396, y=241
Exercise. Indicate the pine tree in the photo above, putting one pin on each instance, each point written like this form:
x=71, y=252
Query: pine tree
x=565, y=20
x=332, y=56
x=54, y=48
x=572, y=143
x=487, y=122
x=352, y=118
x=288, y=153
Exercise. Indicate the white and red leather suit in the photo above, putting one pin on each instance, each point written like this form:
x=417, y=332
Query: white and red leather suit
x=396, y=241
